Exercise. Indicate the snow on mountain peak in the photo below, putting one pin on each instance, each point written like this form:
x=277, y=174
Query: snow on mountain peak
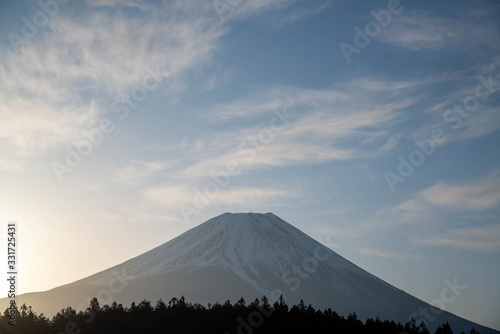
x=241, y=243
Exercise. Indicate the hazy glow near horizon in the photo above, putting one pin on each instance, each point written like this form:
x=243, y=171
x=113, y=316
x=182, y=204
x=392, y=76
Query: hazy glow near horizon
x=373, y=127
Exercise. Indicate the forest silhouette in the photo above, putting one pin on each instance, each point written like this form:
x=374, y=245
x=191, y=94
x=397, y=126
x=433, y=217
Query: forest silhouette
x=179, y=316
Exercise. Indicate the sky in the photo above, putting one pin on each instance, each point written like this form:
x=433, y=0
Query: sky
x=372, y=126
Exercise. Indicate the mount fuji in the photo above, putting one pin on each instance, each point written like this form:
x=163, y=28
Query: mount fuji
x=247, y=255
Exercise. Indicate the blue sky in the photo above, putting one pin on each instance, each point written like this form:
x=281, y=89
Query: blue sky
x=372, y=127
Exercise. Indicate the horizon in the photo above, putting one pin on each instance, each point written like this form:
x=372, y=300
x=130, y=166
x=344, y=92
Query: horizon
x=372, y=127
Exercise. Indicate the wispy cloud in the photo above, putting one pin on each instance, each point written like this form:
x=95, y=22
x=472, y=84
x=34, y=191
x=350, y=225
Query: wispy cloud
x=138, y=213
x=30, y=127
x=306, y=127
x=478, y=196
x=320, y=126
x=383, y=254
x=62, y=81
x=283, y=126
x=459, y=111
x=295, y=14
x=174, y=195
x=358, y=94
x=419, y=30
x=138, y=172
x=242, y=10
x=482, y=239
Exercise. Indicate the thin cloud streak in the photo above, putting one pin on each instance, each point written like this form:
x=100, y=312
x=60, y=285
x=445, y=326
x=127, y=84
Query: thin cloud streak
x=383, y=254
x=478, y=196
x=481, y=239
x=171, y=196
x=138, y=172
x=360, y=93
x=418, y=30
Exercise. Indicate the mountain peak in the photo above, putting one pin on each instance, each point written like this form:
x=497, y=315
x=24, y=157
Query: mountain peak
x=245, y=218
x=252, y=254
x=246, y=214
x=234, y=241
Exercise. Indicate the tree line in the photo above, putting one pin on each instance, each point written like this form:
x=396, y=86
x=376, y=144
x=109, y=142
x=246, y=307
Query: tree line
x=179, y=316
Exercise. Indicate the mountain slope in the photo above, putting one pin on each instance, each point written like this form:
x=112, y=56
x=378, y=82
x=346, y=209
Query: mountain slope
x=245, y=255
